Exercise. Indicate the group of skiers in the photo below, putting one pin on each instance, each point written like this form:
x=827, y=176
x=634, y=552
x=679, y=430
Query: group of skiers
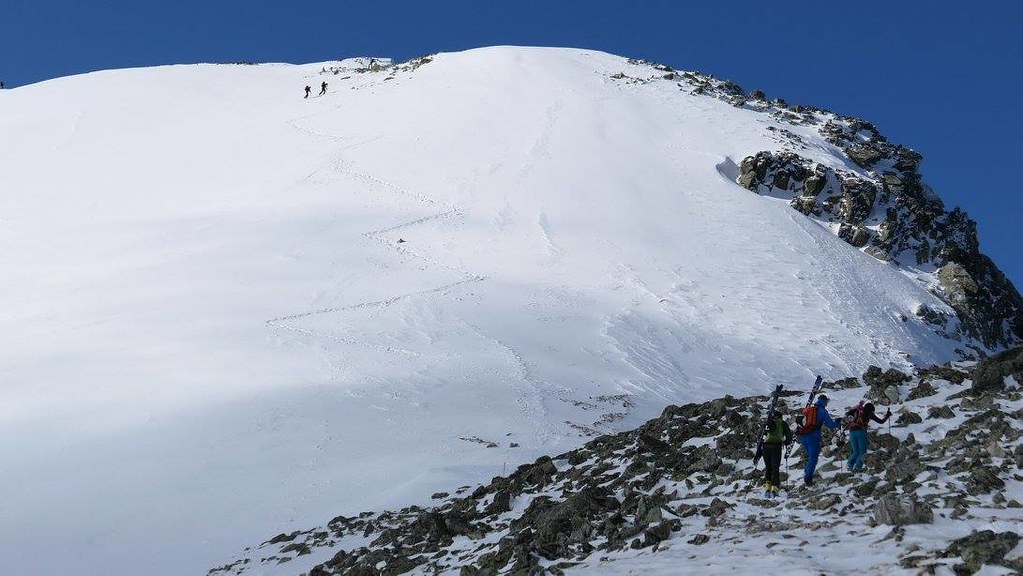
x=323, y=89
x=778, y=436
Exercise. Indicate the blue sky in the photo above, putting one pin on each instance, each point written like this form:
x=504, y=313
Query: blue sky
x=941, y=77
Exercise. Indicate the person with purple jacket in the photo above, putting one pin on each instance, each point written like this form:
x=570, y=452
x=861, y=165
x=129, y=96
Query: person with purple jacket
x=860, y=418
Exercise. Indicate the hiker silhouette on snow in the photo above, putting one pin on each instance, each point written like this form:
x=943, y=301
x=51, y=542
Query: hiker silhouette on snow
x=859, y=420
x=814, y=417
x=323, y=89
x=307, y=90
x=777, y=434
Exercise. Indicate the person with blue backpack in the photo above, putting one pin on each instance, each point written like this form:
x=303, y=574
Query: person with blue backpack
x=859, y=420
x=809, y=432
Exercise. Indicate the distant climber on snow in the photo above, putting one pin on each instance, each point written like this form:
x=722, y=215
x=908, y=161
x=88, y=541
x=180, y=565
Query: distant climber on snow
x=308, y=89
x=777, y=434
x=809, y=433
x=859, y=419
x=323, y=88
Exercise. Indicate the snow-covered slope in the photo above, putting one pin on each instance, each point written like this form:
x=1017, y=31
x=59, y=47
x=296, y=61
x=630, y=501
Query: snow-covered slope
x=229, y=310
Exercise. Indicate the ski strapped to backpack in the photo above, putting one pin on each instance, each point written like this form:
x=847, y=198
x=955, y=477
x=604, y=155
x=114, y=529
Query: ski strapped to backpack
x=807, y=421
x=763, y=428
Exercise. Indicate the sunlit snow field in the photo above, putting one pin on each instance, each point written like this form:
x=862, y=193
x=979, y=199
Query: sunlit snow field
x=229, y=310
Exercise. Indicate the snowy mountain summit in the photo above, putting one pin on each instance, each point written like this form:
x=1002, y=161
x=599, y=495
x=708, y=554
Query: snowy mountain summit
x=234, y=310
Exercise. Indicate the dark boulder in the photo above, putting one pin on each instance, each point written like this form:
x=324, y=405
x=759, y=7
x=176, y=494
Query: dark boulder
x=942, y=371
x=855, y=235
x=990, y=373
x=940, y=412
x=899, y=511
x=983, y=547
x=923, y=390
x=557, y=525
x=907, y=417
x=500, y=504
x=983, y=480
x=864, y=155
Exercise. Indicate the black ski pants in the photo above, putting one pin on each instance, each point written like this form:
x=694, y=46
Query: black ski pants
x=772, y=463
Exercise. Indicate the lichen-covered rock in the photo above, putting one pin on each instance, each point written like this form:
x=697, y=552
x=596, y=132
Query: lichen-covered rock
x=957, y=283
x=717, y=507
x=943, y=372
x=908, y=417
x=990, y=373
x=559, y=525
x=863, y=154
x=899, y=511
x=922, y=390
x=983, y=547
x=983, y=480
x=855, y=235
x=903, y=471
x=884, y=385
x=941, y=412
x=844, y=383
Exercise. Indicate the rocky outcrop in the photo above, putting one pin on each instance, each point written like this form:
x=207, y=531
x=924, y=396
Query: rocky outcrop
x=990, y=373
x=878, y=203
x=984, y=547
x=893, y=510
x=893, y=216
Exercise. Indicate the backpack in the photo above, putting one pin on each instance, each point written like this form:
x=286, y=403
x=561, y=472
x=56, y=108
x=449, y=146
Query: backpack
x=775, y=432
x=807, y=420
x=857, y=418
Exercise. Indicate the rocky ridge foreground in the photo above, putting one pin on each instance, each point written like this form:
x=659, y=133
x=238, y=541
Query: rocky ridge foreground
x=940, y=492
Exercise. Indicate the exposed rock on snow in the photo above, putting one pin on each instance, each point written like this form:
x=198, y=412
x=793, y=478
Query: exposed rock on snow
x=990, y=373
x=984, y=547
x=893, y=510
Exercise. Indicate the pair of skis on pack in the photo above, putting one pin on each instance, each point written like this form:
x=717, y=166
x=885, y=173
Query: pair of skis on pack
x=817, y=384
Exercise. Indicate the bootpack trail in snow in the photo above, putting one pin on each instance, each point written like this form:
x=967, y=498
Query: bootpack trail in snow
x=530, y=400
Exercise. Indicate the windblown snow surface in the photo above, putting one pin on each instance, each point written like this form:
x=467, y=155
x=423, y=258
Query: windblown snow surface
x=230, y=311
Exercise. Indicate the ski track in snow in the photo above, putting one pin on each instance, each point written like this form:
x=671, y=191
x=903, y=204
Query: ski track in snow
x=832, y=257
x=531, y=399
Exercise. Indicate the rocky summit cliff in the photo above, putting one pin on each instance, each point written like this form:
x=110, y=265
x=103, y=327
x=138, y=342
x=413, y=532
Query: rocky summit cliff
x=892, y=215
x=236, y=311
x=880, y=204
x=942, y=489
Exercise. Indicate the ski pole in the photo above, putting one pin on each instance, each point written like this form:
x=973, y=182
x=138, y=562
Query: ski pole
x=788, y=448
